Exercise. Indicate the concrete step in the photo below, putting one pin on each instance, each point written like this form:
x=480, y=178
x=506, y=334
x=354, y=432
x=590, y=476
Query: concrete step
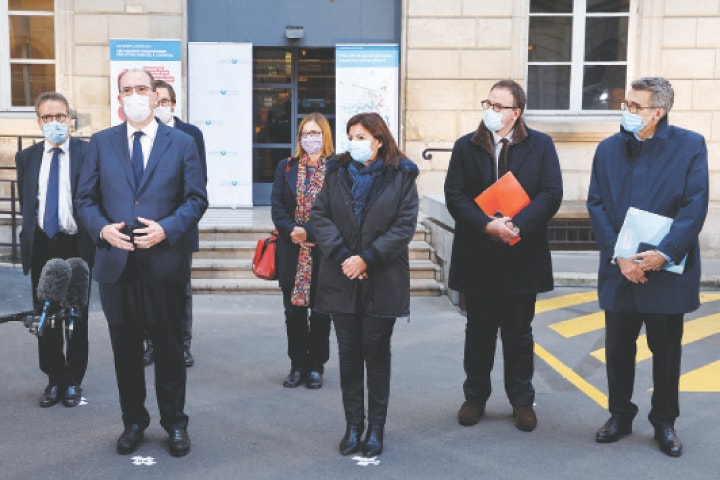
x=255, y=233
x=418, y=287
x=207, y=268
x=245, y=249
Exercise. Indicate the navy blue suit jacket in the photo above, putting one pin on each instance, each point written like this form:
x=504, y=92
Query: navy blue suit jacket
x=667, y=175
x=197, y=135
x=172, y=192
x=27, y=163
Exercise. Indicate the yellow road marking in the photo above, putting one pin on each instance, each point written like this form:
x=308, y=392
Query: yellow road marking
x=565, y=301
x=569, y=374
x=709, y=297
x=579, y=325
x=698, y=380
x=694, y=330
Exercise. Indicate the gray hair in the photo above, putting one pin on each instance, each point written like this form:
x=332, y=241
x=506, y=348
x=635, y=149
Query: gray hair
x=663, y=95
x=149, y=75
x=45, y=96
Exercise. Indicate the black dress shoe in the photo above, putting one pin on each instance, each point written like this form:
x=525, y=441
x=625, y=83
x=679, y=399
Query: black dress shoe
x=314, y=380
x=613, y=430
x=373, y=444
x=72, y=396
x=350, y=443
x=130, y=439
x=294, y=378
x=179, y=442
x=50, y=397
x=148, y=355
x=668, y=440
x=188, y=357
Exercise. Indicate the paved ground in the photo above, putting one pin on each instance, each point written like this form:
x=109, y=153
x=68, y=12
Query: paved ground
x=243, y=424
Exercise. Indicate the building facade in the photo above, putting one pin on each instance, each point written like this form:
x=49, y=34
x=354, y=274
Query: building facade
x=575, y=58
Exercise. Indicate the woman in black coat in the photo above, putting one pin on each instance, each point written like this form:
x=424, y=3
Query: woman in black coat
x=297, y=182
x=364, y=219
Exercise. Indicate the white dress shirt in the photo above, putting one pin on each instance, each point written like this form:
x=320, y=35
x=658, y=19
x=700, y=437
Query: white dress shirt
x=146, y=141
x=65, y=202
x=497, y=139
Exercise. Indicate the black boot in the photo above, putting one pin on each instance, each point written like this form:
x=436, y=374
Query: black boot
x=350, y=443
x=373, y=443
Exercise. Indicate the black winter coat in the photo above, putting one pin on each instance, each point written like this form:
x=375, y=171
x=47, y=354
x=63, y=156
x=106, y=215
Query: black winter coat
x=284, y=202
x=382, y=240
x=480, y=263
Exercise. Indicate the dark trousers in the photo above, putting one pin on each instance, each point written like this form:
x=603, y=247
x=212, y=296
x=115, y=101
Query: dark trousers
x=512, y=315
x=364, y=343
x=664, y=337
x=132, y=308
x=308, y=338
x=62, y=367
x=187, y=317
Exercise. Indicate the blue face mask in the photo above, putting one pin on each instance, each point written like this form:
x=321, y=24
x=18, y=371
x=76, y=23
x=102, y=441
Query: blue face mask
x=55, y=132
x=632, y=122
x=493, y=120
x=360, y=150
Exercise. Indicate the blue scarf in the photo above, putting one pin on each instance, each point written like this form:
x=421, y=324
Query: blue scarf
x=362, y=182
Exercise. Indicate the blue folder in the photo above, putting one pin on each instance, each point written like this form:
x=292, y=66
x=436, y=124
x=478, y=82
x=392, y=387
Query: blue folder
x=643, y=230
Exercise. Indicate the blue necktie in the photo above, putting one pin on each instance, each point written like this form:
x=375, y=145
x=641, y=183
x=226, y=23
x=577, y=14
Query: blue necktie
x=137, y=158
x=51, y=220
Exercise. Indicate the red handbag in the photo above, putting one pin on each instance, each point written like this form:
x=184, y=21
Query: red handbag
x=263, y=265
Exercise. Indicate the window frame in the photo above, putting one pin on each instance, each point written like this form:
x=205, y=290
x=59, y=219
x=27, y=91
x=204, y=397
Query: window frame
x=6, y=61
x=577, y=62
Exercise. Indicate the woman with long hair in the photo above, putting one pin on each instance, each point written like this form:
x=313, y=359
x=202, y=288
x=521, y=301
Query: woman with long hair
x=298, y=180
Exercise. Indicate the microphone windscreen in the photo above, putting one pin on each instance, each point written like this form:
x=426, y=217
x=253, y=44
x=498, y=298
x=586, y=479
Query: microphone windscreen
x=78, y=290
x=54, y=281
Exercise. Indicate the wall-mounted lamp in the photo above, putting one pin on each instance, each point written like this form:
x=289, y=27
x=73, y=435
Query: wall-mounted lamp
x=294, y=32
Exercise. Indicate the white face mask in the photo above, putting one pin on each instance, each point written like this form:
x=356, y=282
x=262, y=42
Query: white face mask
x=493, y=120
x=163, y=113
x=136, y=107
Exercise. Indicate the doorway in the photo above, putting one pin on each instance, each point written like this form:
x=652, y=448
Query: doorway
x=288, y=84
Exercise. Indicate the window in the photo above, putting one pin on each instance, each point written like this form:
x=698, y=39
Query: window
x=27, y=51
x=577, y=55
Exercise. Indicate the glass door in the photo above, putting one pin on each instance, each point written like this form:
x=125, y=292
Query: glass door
x=288, y=84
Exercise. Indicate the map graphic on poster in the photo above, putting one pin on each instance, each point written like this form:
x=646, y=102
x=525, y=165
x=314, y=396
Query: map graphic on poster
x=366, y=80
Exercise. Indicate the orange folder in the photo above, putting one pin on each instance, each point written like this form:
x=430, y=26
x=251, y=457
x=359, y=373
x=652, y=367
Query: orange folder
x=505, y=198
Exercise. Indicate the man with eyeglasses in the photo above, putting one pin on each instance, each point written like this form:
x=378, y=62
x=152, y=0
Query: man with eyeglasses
x=141, y=194
x=653, y=166
x=499, y=275
x=47, y=175
x=164, y=111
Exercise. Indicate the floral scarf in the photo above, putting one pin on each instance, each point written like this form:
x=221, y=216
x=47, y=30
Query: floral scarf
x=307, y=189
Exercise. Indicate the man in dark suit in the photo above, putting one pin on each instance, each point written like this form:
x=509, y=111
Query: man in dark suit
x=141, y=193
x=47, y=175
x=500, y=280
x=164, y=112
x=654, y=166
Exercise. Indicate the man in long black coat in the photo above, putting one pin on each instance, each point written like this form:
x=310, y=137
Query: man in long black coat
x=499, y=280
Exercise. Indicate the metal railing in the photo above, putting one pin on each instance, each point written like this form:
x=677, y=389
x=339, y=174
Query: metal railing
x=564, y=233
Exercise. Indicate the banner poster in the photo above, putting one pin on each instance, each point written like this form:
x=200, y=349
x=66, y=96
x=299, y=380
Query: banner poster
x=366, y=80
x=162, y=58
x=220, y=104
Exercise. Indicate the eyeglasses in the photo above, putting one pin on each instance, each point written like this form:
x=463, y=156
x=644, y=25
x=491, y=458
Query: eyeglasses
x=633, y=107
x=486, y=104
x=165, y=102
x=139, y=89
x=59, y=117
x=310, y=133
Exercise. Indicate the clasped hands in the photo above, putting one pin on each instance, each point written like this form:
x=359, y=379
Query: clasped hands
x=299, y=237
x=650, y=261
x=502, y=229
x=355, y=268
x=146, y=237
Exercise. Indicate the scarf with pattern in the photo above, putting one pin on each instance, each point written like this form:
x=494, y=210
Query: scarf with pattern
x=307, y=190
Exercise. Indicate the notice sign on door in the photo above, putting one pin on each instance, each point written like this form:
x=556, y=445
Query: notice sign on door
x=162, y=58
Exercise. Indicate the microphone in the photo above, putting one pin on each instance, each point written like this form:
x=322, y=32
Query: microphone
x=52, y=289
x=17, y=317
x=77, y=295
